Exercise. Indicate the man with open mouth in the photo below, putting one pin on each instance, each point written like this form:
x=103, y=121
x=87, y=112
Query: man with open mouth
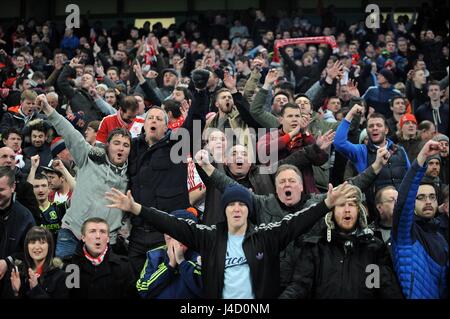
x=292, y=136
x=157, y=178
x=287, y=198
x=335, y=255
x=362, y=155
x=98, y=169
x=420, y=252
x=239, y=260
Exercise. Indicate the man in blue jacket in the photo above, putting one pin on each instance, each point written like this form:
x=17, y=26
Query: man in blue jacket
x=172, y=271
x=420, y=252
x=378, y=96
x=362, y=155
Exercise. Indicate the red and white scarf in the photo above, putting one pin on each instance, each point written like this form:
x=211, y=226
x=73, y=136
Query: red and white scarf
x=316, y=40
x=95, y=260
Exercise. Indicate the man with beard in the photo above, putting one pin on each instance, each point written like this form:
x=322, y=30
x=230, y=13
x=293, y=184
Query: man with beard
x=362, y=155
x=98, y=170
x=432, y=175
x=420, y=252
x=335, y=256
x=287, y=198
x=38, y=132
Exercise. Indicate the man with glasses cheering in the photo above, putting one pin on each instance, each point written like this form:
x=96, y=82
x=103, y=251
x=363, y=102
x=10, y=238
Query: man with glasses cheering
x=420, y=252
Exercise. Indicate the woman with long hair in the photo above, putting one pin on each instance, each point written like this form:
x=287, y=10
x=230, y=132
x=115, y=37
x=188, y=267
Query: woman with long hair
x=40, y=275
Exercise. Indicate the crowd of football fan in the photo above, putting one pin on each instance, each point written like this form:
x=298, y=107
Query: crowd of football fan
x=189, y=162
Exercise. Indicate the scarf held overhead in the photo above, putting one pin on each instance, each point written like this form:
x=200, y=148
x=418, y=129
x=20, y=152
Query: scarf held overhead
x=315, y=40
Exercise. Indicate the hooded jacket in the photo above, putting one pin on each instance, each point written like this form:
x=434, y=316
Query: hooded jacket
x=420, y=252
x=337, y=267
x=15, y=118
x=96, y=175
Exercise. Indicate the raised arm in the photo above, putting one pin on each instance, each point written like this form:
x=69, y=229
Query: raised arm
x=195, y=236
x=75, y=142
x=341, y=142
x=294, y=225
x=63, y=82
x=403, y=218
x=59, y=166
x=146, y=88
x=241, y=103
x=35, y=160
x=366, y=178
x=264, y=118
x=216, y=178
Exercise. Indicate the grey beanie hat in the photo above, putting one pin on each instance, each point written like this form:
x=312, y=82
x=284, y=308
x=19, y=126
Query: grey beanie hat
x=440, y=137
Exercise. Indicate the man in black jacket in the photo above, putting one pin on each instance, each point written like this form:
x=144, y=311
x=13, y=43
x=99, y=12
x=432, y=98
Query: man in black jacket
x=239, y=259
x=79, y=99
x=103, y=274
x=157, y=179
x=341, y=258
x=23, y=190
x=15, y=221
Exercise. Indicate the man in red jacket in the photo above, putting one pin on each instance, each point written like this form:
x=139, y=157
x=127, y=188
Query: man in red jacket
x=125, y=117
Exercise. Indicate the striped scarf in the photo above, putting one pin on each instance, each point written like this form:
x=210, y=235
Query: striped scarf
x=95, y=260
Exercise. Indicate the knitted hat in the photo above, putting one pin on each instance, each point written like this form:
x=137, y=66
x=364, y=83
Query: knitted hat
x=440, y=137
x=407, y=117
x=362, y=136
x=185, y=214
x=388, y=75
x=434, y=157
x=57, y=146
x=170, y=70
x=237, y=193
x=362, y=214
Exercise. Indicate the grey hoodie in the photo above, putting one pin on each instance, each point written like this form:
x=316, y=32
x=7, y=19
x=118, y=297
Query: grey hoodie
x=96, y=175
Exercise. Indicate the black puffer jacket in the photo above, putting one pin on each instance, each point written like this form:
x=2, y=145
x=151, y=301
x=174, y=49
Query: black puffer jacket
x=337, y=269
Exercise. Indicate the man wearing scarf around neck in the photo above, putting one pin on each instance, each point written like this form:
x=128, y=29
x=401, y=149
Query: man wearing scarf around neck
x=102, y=273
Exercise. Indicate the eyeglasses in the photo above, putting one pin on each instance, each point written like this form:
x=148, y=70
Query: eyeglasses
x=423, y=197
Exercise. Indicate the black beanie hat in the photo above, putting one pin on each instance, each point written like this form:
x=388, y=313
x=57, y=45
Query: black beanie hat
x=237, y=193
x=389, y=76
